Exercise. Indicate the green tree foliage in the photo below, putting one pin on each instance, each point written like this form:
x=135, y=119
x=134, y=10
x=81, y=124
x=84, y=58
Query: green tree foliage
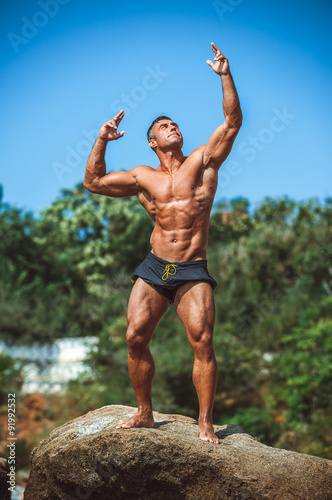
x=56, y=268
x=67, y=273
x=11, y=377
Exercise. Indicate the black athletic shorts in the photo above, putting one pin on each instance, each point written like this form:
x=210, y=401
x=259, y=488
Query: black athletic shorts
x=167, y=277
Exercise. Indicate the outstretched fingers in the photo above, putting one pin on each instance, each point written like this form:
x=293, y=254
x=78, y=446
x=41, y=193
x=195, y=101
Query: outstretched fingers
x=218, y=54
x=220, y=65
x=215, y=48
x=116, y=120
x=118, y=117
x=109, y=130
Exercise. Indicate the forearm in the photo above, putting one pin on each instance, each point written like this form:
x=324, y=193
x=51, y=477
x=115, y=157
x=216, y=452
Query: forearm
x=231, y=103
x=96, y=166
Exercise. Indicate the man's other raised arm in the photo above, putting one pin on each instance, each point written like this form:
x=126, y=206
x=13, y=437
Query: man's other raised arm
x=220, y=143
x=115, y=184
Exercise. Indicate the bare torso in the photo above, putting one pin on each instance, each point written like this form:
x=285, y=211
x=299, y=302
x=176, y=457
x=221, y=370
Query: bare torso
x=180, y=203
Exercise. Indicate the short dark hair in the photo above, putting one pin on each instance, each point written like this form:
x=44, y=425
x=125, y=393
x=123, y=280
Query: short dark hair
x=150, y=134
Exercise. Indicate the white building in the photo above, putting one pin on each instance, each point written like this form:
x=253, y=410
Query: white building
x=48, y=367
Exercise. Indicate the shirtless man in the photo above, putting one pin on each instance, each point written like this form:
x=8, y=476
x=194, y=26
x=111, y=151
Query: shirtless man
x=178, y=195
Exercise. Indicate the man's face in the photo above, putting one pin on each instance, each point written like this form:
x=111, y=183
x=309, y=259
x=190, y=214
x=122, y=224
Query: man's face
x=167, y=133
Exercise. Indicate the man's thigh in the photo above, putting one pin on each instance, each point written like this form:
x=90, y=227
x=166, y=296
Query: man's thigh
x=194, y=304
x=145, y=307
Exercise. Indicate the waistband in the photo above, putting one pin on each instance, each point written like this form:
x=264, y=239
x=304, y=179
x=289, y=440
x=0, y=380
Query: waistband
x=199, y=262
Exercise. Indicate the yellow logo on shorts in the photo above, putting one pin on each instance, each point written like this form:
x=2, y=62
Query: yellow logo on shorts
x=168, y=271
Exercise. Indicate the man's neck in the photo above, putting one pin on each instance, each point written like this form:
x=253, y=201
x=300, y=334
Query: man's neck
x=171, y=161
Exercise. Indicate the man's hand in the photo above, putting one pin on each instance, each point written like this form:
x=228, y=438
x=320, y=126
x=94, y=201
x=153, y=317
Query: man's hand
x=221, y=66
x=108, y=131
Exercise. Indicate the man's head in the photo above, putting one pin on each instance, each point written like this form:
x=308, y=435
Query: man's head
x=164, y=133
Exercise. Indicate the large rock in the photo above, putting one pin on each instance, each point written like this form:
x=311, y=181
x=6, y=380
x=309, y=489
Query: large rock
x=87, y=458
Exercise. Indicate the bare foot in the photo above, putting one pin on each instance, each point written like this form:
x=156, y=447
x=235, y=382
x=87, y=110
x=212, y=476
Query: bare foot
x=138, y=420
x=206, y=433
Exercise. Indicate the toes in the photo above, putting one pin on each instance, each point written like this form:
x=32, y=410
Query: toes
x=203, y=438
x=123, y=426
x=210, y=439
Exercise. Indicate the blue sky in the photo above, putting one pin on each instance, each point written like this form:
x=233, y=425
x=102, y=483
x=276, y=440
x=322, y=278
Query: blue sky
x=69, y=65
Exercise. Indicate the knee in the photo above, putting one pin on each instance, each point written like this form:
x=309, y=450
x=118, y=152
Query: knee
x=202, y=343
x=136, y=338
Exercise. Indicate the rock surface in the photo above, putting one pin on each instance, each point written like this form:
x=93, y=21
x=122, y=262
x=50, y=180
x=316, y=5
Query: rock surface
x=87, y=458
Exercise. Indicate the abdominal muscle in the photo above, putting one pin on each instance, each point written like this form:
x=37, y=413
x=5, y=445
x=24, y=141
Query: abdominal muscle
x=181, y=244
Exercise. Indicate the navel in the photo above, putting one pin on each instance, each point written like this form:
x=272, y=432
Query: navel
x=175, y=240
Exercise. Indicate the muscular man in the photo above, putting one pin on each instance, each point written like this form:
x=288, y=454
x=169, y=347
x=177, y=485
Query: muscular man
x=178, y=195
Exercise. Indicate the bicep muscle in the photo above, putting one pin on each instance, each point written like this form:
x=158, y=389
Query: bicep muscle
x=116, y=184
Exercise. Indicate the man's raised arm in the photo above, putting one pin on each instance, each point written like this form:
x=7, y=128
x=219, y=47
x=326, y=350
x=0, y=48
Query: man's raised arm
x=115, y=184
x=220, y=143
